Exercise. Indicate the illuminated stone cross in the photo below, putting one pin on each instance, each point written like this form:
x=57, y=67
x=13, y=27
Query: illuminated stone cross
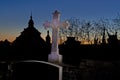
x=55, y=57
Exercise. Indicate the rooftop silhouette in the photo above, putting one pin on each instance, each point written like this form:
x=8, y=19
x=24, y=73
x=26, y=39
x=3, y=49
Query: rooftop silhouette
x=30, y=45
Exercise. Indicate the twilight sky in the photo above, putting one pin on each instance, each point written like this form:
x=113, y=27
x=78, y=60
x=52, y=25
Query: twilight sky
x=14, y=14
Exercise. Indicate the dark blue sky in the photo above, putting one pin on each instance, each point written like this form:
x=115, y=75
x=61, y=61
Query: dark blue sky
x=14, y=14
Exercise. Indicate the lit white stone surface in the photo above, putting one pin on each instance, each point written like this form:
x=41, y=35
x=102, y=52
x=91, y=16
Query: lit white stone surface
x=55, y=57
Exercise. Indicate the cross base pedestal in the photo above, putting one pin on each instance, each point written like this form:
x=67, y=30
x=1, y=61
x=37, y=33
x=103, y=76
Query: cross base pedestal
x=55, y=58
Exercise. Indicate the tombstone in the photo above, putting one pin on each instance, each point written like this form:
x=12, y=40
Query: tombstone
x=35, y=70
x=55, y=57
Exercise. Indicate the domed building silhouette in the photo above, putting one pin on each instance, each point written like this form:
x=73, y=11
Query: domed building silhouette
x=29, y=43
x=30, y=37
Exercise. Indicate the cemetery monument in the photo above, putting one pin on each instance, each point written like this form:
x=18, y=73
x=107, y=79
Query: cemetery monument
x=54, y=56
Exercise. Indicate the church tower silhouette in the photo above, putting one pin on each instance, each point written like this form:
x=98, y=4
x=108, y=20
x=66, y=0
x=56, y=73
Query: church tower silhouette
x=30, y=37
x=29, y=44
x=31, y=22
x=48, y=39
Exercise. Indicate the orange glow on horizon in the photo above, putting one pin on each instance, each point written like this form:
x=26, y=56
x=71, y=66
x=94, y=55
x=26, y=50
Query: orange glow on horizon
x=12, y=37
x=9, y=37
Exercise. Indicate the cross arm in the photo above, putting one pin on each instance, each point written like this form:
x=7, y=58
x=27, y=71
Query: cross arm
x=64, y=24
x=47, y=24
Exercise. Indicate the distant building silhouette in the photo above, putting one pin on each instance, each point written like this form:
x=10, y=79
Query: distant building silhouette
x=5, y=50
x=48, y=39
x=70, y=51
x=5, y=43
x=113, y=40
x=71, y=42
x=30, y=37
x=48, y=42
x=30, y=44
